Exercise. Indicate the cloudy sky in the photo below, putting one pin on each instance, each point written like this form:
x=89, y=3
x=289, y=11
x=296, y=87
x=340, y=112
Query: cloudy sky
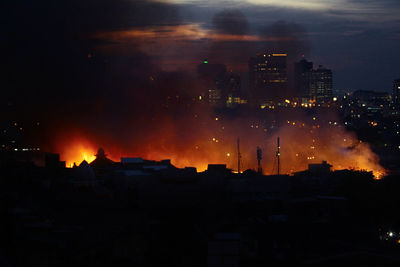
x=357, y=39
x=111, y=69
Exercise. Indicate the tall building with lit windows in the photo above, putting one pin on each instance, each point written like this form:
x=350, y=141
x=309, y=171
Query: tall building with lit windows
x=267, y=77
x=321, y=85
x=212, y=81
x=313, y=84
x=219, y=87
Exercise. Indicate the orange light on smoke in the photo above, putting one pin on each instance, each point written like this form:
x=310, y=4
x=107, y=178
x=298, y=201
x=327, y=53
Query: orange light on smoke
x=78, y=153
x=209, y=144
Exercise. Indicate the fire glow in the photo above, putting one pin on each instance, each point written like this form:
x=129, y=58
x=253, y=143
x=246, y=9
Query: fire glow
x=217, y=144
x=78, y=150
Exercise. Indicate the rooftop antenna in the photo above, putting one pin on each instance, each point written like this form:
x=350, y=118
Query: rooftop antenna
x=259, y=157
x=278, y=156
x=239, y=155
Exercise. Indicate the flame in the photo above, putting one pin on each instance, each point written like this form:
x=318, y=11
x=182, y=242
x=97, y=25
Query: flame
x=78, y=150
x=215, y=143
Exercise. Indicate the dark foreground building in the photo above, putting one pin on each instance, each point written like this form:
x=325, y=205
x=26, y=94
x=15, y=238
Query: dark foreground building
x=149, y=213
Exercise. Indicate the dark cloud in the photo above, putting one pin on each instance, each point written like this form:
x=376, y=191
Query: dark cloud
x=56, y=73
x=230, y=22
x=288, y=37
x=280, y=36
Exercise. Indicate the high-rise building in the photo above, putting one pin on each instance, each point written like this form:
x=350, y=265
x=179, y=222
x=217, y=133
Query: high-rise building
x=219, y=87
x=267, y=77
x=232, y=85
x=212, y=79
x=321, y=85
x=313, y=84
x=302, y=78
x=232, y=94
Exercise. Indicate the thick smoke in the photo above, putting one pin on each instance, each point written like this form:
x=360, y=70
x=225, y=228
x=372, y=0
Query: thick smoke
x=231, y=22
x=287, y=36
x=290, y=38
x=89, y=92
x=55, y=75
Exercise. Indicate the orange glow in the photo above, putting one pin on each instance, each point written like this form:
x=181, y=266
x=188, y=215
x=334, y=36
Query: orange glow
x=77, y=151
x=210, y=141
x=181, y=32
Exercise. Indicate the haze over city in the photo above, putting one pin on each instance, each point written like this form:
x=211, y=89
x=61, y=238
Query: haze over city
x=258, y=132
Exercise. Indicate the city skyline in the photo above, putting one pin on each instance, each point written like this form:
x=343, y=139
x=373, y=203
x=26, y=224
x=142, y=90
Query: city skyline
x=200, y=133
x=136, y=76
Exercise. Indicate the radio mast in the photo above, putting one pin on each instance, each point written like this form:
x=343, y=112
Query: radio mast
x=238, y=154
x=278, y=155
x=259, y=157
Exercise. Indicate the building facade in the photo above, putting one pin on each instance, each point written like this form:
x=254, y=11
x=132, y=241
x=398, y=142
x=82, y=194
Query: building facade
x=302, y=78
x=314, y=84
x=267, y=78
x=212, y=81
x=321, y=85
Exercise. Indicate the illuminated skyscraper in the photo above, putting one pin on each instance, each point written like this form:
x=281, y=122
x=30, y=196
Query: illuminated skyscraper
x=232, y=93
x=314, y=84
x=267, y=77
x=321, y=85
x=219, y=87
x=212, y=78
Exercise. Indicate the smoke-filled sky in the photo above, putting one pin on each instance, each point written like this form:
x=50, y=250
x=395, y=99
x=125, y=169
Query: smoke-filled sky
x=124, y=70
x=358, y=39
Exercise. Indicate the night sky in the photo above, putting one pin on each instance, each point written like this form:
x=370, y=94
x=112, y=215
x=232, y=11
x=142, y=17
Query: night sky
x=359, y=40
x=106, y=67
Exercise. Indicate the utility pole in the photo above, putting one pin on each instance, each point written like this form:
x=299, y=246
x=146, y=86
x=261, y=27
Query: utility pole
x=278, y=155
x=259, y=157
x=238, y=154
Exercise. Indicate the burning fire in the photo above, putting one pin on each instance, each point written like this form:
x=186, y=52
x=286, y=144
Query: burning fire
x=77, y=151
x=216, y=143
